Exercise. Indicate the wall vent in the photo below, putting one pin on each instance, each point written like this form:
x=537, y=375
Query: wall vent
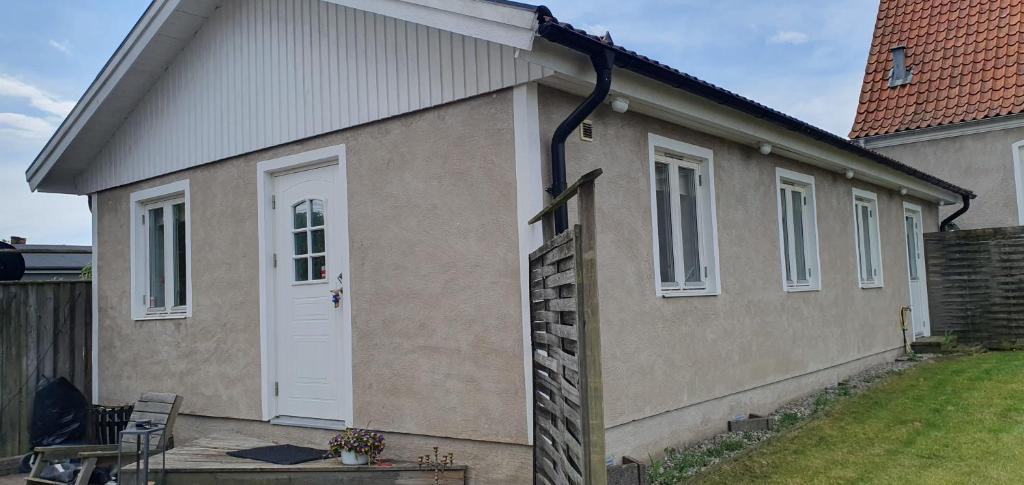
x=587, y=130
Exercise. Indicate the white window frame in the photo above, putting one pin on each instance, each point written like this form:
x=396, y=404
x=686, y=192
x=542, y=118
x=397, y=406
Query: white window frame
x=141, y=201
x=812, y=254
x=702, y=159
x=864, y=198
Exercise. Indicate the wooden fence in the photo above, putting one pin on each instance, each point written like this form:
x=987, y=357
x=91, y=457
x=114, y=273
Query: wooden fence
x=45, y=332
x=568, y=401
x=976, y=285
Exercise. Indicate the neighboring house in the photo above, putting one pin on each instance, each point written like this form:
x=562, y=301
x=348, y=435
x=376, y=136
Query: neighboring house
x=245, y=158
x=48, y=262
x=944, y=92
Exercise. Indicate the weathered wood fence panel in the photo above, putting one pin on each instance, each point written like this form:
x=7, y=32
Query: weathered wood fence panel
x=45, y=332
x=568, y=400
x=976, y=285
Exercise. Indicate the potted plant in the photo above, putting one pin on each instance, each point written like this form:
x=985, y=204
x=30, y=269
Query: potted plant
x=357, y=446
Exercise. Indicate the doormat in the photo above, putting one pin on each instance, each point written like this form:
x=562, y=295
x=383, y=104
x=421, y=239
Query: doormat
x=280, y=454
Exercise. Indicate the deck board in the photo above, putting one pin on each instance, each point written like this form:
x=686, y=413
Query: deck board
x=205, y=461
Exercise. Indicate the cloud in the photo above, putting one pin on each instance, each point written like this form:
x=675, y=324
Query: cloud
x=42, y=218
x=26, y=126
x=788, y=37
x=38, y=98
x=64, y=47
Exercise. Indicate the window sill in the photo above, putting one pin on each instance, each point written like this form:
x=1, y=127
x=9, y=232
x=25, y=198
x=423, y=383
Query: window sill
x=801, y=289
x=686, y=293
x=869, y=286
x=168, y=316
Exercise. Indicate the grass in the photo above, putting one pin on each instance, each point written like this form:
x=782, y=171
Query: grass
x=949, y=421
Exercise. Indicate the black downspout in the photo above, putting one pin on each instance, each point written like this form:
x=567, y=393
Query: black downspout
x=603, y=62
x=944, y=226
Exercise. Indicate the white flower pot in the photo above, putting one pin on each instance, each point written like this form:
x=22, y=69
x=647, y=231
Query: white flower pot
x=353, y=458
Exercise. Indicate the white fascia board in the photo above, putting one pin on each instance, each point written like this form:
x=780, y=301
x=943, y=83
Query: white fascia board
x=115, y=69
x=659, y=100
x=945, y=131
x=502, y=24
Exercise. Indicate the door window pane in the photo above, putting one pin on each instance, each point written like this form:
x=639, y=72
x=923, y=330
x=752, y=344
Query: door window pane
x=302, y=269
x=156, y=258
x=688, y=225
x=180, y=260
x=912, y=248
x=316, y=213
x=318, y=240
x=301, y=243
x=300, y=215
x=663, y=197
x=319, y=268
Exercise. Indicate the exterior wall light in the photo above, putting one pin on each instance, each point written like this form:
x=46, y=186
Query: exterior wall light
x=903, y=191
x=849, y=174
x=620, y=104
x=765, y=148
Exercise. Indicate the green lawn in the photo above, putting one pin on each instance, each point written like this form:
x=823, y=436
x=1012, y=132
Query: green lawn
x=950, y=421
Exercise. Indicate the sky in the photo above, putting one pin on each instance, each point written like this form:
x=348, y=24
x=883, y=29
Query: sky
x=803, y=57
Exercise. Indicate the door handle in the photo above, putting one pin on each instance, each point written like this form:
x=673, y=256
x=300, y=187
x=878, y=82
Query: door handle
x=337, y=292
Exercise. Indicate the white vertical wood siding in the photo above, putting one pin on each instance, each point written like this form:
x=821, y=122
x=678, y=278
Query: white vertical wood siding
x=264, y=72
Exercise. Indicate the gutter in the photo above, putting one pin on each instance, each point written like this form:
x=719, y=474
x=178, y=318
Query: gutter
x=603, y=59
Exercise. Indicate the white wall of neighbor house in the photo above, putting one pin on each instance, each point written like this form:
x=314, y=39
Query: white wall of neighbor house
x=676, y=369
x=260, y=73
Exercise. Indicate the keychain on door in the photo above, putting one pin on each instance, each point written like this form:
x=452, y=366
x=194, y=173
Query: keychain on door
x=336, y=293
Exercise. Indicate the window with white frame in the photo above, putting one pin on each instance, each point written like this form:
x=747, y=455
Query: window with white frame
x=683, y=213
x=161, y=252
x=798, y=231
x=865, y=223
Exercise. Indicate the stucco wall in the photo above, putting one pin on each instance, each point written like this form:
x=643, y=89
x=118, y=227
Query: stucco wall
x=665, y=354
x=982, y=162
x=437, y=334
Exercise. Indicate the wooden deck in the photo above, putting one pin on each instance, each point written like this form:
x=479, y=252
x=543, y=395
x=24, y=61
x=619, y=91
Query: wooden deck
x=205, y=462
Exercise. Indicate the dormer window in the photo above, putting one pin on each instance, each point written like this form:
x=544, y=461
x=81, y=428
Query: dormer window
x=900, y=74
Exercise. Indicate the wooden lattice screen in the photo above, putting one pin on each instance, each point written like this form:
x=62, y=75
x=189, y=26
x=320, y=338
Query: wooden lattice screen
x=568, y=409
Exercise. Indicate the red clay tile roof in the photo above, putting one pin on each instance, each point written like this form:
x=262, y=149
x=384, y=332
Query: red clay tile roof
x=966, y=60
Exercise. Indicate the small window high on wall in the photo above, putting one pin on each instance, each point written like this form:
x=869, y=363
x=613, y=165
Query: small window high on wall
x=798, y=231
x=161, y=252
x=868, y=241
x=683, y=219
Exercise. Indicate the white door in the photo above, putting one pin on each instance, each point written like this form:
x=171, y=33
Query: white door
x=310, y=254
x=916, y=270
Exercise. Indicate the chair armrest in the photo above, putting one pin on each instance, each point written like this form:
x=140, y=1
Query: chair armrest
x=107, y=453
x=70, y=451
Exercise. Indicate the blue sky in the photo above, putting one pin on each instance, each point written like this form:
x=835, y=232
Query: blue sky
x=804, y=57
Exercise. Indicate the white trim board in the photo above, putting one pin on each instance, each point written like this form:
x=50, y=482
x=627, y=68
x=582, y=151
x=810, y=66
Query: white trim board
x=502, y=24
x=529, y=201
x=95, y=284
x=1018, y=178
x=265, y=172
x=139, y=262
x=946, y=131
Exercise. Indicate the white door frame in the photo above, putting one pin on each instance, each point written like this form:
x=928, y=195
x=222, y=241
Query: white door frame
x=265, y=171
x=922, y=271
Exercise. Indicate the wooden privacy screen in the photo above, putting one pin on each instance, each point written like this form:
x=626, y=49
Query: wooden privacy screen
x=45, y=332
x=567, y=397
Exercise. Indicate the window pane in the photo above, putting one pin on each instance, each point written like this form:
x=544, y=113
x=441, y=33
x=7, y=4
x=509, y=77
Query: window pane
x=319, y=268
x=663, y=197
x=688, y=225
x=318, y=240
x=317, y=213
x=300, y=213
x=156, y=258
x=799, y=240
x=785, y=234
x=180, y=261
x=867, y=264
x=301, y=269
x=911, y=248
x=301, y=244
